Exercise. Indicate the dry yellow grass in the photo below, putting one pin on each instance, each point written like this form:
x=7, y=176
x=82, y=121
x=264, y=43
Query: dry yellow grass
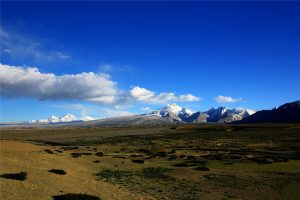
x=40, y=184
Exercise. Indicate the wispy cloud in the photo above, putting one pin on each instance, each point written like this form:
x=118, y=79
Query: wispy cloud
x=146, y=109
x=18, y=47
x=116, y=69
x=226, y=99
x=109, y=112
x=6, y=51
x=84, y=110
x=105, y=68
x=62, y=55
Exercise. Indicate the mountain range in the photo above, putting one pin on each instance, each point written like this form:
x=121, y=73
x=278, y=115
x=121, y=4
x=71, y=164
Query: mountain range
x=63, y=119
x=174, y=112
x=169, y=114
x=287, y=113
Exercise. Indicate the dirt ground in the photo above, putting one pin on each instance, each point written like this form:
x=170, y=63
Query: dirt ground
x=180, y=163
x=19, y=156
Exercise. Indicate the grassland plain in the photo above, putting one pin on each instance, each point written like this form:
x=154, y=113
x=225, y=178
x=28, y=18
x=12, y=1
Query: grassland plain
x=161, y=162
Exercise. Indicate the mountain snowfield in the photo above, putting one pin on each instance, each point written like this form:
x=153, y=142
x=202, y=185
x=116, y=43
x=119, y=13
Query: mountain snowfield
x=171, y=113
x=63, y=119
x=219, y=115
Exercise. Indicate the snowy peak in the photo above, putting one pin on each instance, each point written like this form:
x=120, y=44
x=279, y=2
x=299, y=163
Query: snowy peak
x=68, y=118
x=173, y=112
x=173, y=108
x=63, y=119
x=170, y=108
x=52, y=119
x=220, y=115
x=226, y=115
x=87, y=118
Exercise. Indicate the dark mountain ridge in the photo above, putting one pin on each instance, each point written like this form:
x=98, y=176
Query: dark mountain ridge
x=286, y=113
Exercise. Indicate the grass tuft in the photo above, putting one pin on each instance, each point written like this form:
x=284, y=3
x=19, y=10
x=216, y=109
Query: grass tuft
x=99, y=154
x=138, y=161
x=49, y=151
x=22, y=176
x=58, y=171
x=75, y=197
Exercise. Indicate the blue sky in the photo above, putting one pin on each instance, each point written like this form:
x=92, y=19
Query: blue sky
x=247, y=52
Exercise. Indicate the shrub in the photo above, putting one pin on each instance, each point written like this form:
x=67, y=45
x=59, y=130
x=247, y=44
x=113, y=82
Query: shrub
x=181, y=165
x=117, y=156
x=99, y=154
x=22, y=176
x=202, y=168
x=75, y=155
x=58, y=171
x=49, y=151
x=161, y=154
x=144, y=151
x=138, y=161
x=86, y=153
x=75, y=197
x=262, y=161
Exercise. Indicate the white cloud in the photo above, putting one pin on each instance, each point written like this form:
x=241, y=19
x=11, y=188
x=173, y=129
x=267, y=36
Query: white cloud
x=30, y=82
x=188, y=97
x=122, y=107
x=147, y=109
x=148, y=96
x=142, y=94
x=225, y=99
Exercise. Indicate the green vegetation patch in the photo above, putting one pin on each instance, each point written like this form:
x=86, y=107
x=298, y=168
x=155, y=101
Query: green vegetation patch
x=155, y=172
x=22, y=176
x=114, y=175
x=153, y=181
x=221, y=180
x=119, y=175
x=75, y=197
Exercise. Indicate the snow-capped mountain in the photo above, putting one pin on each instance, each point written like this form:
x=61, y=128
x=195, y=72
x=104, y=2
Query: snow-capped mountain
x=169, y=114
x=173, y=112
x=63, y=119
x=220, y=115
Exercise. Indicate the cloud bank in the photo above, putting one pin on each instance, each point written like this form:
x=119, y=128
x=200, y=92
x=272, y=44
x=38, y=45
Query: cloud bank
x=148, y=96
x=225, y=99
x=29, y=82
